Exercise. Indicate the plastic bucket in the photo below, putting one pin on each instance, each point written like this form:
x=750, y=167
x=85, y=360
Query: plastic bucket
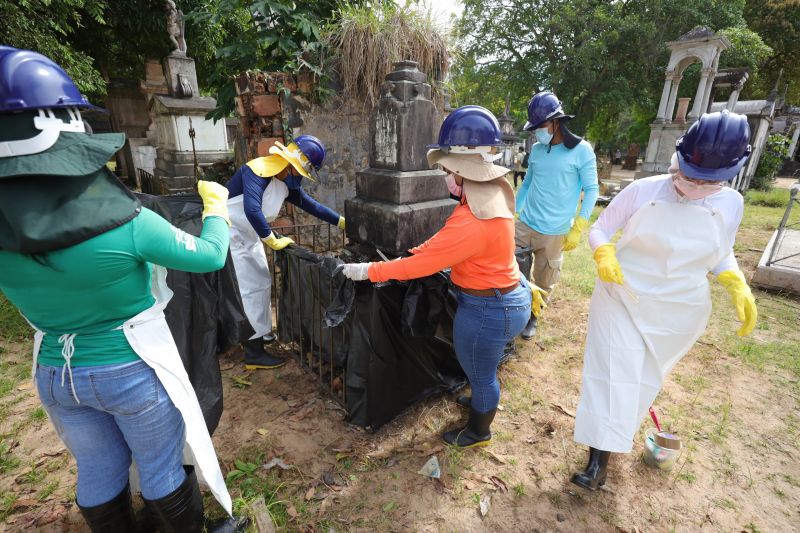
x=655, y=455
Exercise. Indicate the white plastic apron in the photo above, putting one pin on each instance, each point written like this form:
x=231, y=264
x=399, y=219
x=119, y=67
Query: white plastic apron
x=150, y=337
x=666, y=252
x=249, y=259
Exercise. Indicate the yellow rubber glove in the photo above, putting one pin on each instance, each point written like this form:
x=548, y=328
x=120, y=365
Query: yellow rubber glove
x=573, y=238
x=608, y=268
x=215, y=200
x=277, y=243
x=538, y=304
x=340, y=225
x=743, y=300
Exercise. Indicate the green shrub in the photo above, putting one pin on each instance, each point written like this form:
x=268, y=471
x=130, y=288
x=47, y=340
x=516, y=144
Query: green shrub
x=775, y=153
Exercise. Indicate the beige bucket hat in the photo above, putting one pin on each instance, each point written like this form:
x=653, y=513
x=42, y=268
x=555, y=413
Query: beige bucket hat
x=488, y=192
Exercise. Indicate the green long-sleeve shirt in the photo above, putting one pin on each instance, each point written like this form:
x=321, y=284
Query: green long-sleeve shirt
x=95, y=286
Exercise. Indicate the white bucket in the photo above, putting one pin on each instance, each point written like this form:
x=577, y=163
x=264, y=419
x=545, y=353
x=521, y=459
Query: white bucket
x=657, y=456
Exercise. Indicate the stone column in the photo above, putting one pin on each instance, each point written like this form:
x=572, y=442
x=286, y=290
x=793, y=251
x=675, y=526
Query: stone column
x=732, y=99
x=662, y=105
x=795, y=137
x=669, y=112
x=700, y=95
x=400, y=202
x=709, y=88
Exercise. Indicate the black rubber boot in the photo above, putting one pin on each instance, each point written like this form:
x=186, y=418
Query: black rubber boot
x=594, y=475
x=115, y=516
x=529, y=330
x=464, y=401
x=475, y=433
x=182, y=511
x=255, y=356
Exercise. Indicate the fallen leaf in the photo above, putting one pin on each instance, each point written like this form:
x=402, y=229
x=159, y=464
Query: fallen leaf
x=328, y=478
x=27, y=385
x=291, y=511
x=468, y=485
x=310, y=493
x=276, y=461
x=499, y=483
x=262, y=431
x=227, y=366
x=389, y=507
x=495, y=456
x=24, y=504
x=326, y=503
x=486, y=503
x=501, y=408
x=293, y=403
x=563, y=410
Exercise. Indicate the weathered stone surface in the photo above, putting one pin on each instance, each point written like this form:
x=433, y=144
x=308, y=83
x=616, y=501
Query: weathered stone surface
x=395, y=228
x=401, y=187
x=403, y=122
x=183, y=66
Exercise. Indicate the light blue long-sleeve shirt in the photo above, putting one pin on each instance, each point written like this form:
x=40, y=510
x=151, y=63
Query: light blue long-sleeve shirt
x=549, y=196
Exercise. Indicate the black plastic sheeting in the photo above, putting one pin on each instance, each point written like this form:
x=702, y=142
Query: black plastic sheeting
x=205, y=314
x=393, y=340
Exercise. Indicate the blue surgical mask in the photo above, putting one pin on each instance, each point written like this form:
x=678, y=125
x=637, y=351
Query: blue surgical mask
x=543, y=136
x=293, y=181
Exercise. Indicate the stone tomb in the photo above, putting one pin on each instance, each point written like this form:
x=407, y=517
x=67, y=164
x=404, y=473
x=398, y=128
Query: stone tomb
x=399, y=201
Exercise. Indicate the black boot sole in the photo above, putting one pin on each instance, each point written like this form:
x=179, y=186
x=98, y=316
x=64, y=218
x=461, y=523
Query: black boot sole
x=263, y=367
x=576, y=480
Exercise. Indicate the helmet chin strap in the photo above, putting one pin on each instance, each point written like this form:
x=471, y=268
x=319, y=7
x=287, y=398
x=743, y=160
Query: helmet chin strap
x=50, y=126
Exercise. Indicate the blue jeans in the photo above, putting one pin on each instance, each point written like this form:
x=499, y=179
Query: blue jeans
x=482, y=327
x=124, y=412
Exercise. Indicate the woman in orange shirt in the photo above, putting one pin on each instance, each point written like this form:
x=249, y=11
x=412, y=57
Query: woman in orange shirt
x=477, y=243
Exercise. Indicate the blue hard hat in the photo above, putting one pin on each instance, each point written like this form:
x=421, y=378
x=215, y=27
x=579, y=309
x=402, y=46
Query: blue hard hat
x=313, y=149
x=469, y=125
x=543, y=106
x=715, y=147
x=29, y=80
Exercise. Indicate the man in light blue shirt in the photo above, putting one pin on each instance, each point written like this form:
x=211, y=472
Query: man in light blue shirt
x=561, y=166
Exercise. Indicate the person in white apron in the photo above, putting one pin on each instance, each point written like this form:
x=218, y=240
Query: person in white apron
x=257, y=192
x=77, y=258
x=652, y=300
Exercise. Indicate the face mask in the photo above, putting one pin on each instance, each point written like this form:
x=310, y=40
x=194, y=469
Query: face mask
x=695, y=191
x=454, y=188
x=293, y=181
x=543, y=136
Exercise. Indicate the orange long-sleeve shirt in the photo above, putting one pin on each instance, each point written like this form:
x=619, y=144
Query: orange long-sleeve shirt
x=479, y=252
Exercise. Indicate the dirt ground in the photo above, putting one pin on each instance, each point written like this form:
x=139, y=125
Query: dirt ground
x=733, y=401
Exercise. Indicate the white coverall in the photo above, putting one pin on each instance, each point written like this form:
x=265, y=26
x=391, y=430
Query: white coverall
x=669, y=244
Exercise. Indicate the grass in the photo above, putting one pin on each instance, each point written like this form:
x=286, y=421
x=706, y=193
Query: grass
x=772, y=198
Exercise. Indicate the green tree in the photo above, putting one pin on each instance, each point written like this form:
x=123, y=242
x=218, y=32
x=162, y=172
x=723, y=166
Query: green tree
x=778, y=23
x=272, y=35
x=49, y=27
x=601, y=58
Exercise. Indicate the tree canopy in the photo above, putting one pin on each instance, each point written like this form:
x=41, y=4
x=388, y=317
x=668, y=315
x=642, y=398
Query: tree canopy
x=605, y=60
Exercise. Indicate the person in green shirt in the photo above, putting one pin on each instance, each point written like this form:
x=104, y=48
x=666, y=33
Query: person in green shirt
x=79, y=258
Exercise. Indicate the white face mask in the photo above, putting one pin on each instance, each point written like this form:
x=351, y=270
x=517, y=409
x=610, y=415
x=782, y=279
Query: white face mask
x=454, y=188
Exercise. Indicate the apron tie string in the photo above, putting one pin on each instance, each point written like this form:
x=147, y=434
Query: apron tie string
x=67, y=351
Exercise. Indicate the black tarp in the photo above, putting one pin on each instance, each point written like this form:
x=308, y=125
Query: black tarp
x=205, y=314
x=392, y=340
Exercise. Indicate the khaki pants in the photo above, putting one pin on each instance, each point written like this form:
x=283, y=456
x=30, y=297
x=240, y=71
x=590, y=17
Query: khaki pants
x=547, y=255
